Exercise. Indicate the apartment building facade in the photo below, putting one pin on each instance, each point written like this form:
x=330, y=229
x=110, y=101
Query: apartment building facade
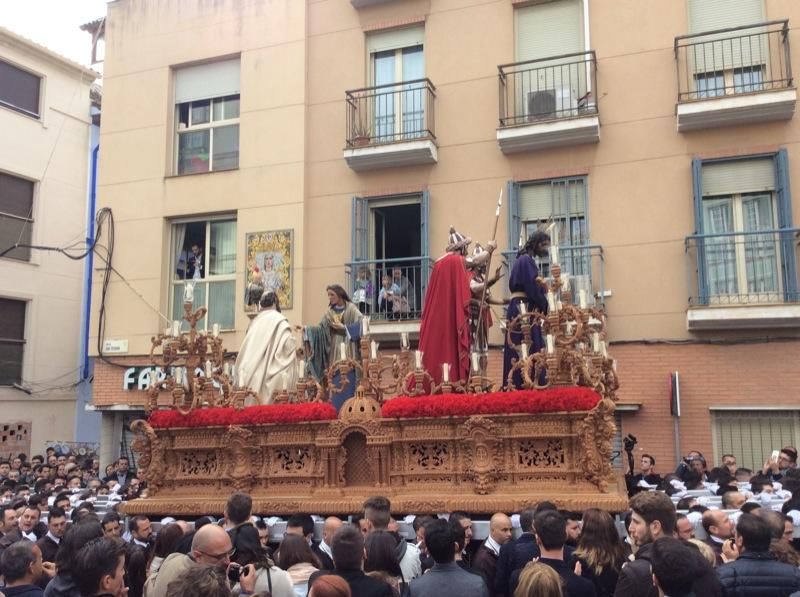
x=660, y=137
x=44, y=191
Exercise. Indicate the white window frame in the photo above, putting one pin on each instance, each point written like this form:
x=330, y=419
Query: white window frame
x=210, y=126
x=25, y=336
x=737, y=211
x=174, y=282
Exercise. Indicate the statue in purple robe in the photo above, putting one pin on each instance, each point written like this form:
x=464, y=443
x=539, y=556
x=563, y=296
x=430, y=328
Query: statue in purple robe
x=524, y=288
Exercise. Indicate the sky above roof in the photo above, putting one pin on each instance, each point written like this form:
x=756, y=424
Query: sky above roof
x=54, y=24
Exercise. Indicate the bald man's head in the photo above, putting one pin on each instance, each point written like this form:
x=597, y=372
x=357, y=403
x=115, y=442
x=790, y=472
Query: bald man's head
x=332, y=524
x=500, y=528
x=211, y=545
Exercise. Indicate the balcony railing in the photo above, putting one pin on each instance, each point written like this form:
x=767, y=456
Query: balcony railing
x=734, y=61
x=743, y=268
x=400, y=298
x=548, y=89
x=585, y=265
x=391, y=113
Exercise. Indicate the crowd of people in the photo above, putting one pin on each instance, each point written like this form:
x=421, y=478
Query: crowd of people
x=56, y=543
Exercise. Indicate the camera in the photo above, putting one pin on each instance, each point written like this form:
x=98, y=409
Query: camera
x=629, y=441
x=234, y=572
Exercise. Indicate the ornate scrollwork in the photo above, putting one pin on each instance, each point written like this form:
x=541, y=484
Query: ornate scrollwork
x=239, y=455
x=482, y=453
x=596, y=432
x=429, y=456
x=150, y=455
x=541, y=454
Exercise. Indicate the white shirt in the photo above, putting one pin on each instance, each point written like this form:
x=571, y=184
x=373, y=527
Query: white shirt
x=29, y=536
x=410, y=565
x=492, y=545
x=53, y=538
x=141, y=543
x=326, y=549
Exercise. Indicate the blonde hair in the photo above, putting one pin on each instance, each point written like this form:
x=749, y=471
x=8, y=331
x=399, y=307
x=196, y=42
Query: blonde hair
x=706, y=550
x=539, y=580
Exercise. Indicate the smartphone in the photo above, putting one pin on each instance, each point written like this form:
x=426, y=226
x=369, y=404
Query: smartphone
x=775, y=455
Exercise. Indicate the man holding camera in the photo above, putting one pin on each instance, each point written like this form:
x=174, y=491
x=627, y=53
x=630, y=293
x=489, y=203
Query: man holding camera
x=647, y=476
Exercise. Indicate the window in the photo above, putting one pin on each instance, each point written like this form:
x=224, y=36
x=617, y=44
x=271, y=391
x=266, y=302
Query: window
x=741, y=205
x=207, y=117
x=396, y=57
x=752, y=435
x=205, y=251
x=12, y=340
x=727, y=62
x=16, y=214
x=551, y=88
x=19, y=89
x=563, y=200
x=390, y=238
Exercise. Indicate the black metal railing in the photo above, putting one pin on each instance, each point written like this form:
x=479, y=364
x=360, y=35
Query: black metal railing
x=552, y=88
x=733, y=61
x=391, y=113
x=389, y=289
x=585, y=266
x=743, y=268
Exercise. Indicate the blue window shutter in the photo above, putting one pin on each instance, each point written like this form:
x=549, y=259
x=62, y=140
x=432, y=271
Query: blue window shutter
x=784, y=196
x=514, y=222
x=697, y=187
x=359, y=244
x=424, y=233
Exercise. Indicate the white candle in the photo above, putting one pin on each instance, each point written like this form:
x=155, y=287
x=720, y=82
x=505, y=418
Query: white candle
x=569, y=326
x=215, y=330
x=524, y=350
x=186, y=378
x=603, y=349
x=176, y=328
x=476, y=363
x=523, y=308
x=554, y=254
x=302, y=368
x=168, y=331
x=614, y=365
x=179, y=376
x=417, y=359
x=565, y=280
x=342, y=351
x=226, y=368
x=365, y=326
x=188, y=292
x=551, y=344
x=580, y=346
x=373, y=350
x=208, y=369
x=284, y=381
x=153, y=376
x=595, y=342
x=582, y=298
x=404, y=339
x=551, y=301
x=446, y=372
x=559, y=306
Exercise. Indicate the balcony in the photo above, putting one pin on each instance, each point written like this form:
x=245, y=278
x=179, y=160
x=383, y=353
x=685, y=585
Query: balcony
x=734, y=76
x=399, y=308
x=549, y=102
x=391, y=125
x=585, y=265
x=743, y=280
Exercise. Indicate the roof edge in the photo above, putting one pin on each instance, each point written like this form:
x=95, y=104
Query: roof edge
x=8, y=36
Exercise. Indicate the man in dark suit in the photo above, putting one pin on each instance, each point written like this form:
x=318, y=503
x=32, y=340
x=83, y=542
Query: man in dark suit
x=56, y=527
x=485, y=560
x=348, y=560
x=323, y=549
x=719, y=528
x=141, y=533
x=446, y=577
x=551, y=535
x=516, y=553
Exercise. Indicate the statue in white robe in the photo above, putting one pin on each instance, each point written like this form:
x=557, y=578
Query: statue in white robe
x=267, y=358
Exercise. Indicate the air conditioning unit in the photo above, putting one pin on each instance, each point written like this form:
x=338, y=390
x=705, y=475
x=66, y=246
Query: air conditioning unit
x=542, y=104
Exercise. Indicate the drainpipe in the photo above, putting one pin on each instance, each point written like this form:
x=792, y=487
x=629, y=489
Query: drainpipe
x=87, y=293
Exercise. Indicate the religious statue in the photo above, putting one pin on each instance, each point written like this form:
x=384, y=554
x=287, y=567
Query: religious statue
x=525, y=288
x=445, y=334
x=479, y=308
x=335, y=338
x=267, y=358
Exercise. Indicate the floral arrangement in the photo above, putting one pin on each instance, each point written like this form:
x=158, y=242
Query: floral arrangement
x=568, y=399
x=251, y=415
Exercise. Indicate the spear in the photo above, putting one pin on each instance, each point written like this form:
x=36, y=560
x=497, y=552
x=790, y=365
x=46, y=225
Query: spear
x=488, y=269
